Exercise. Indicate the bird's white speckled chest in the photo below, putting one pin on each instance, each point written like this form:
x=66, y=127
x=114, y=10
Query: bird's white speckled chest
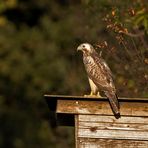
x=88, y=60
x=89, y=65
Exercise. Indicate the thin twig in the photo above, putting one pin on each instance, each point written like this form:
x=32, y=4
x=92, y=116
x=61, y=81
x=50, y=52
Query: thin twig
x=131, y=34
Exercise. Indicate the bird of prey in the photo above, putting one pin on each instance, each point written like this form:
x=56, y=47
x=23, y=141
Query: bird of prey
x=99, y=75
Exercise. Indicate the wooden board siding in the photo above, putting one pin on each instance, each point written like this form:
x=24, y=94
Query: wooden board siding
x=110, y=143
x=106, y=130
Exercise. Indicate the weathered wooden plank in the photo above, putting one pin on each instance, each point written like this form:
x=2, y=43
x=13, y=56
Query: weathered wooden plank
x=111, y=119
x=76, y=131
x=95, y=126
x=109, y=143
x=115, y=126
x=112, y=134
x=101, y=107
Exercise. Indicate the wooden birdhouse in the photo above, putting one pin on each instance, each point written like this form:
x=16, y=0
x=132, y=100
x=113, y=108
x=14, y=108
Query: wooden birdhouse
x=95, y=124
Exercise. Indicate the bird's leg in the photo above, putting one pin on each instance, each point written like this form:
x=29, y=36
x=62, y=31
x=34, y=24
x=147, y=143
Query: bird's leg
x=98, y=94
x=91, y=94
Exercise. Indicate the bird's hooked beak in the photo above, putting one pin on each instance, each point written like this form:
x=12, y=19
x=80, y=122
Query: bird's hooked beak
x=79, y=48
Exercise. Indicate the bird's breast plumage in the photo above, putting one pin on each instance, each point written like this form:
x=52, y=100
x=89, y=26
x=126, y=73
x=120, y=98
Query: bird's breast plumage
x=98, y=72
x=90, y=65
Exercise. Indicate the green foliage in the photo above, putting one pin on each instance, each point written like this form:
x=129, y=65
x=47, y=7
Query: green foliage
x=141, y=19
x=38, y=41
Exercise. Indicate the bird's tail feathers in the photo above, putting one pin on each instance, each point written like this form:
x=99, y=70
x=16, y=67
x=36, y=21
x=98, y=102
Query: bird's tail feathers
x=113, y=99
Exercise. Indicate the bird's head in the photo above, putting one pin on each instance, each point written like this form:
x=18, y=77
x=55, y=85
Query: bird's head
x=85, y=48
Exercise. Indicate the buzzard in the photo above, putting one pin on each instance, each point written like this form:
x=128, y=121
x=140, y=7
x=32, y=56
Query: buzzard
x=99, y=75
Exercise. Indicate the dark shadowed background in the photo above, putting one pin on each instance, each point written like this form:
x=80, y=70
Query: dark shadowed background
x=38, y=41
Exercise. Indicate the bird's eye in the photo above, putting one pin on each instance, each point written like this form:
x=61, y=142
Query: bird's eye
x=83, y=46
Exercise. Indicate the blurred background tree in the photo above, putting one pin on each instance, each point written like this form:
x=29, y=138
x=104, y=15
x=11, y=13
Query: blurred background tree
x=38, y=41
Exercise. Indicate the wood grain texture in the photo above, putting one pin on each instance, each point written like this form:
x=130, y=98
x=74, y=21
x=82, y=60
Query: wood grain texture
x=113, y=134
x=109, y=143
x=76, y=131
x=94, y=126
x=99, y=131
x=111, y=119
x=101, y=107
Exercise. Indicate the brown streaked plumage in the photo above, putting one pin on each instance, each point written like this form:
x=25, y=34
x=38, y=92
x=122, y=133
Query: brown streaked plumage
x=99, y=75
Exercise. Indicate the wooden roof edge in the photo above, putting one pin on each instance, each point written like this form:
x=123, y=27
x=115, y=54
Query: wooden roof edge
x=87, y=98
x=67, y=118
